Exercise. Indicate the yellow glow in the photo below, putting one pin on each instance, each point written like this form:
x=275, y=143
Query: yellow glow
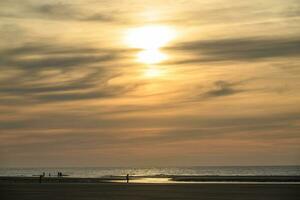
x=152, y=56
x=149, y=37
x=153, y=72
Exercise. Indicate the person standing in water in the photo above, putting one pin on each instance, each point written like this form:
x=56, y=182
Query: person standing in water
x=127, y=178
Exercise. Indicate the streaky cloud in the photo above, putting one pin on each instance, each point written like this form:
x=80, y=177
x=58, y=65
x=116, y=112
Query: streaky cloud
x=237, y=49
x=58, y=11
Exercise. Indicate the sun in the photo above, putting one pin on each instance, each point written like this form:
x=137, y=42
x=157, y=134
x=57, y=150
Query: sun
x=149, y=37
x=152, y=56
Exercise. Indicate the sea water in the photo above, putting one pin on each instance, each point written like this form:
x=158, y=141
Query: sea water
x=96, y=172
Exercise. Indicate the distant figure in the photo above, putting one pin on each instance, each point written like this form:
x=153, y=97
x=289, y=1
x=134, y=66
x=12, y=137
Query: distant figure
x=41, y=176
x=44, y=174
x=49, y=174
x=127, y=178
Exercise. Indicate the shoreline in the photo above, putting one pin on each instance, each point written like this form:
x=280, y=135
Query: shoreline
x=156, y=179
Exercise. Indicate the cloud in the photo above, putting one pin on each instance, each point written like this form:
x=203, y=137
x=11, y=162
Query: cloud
x=215, y=90
x=47, y=54
x=41, y=55
x=222, y=88
x=238, y=49
x=69, y=12
x=44, y=72
x=57, y=62
x=67, y=131
x=55, y=11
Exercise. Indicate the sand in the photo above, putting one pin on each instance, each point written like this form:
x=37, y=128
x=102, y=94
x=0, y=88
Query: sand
x=123, y=191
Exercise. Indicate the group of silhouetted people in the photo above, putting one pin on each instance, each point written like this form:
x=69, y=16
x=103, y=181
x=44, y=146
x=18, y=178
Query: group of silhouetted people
x=59, y=174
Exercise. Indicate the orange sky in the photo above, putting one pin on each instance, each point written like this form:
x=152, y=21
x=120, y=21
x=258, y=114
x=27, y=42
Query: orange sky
x=149, y=83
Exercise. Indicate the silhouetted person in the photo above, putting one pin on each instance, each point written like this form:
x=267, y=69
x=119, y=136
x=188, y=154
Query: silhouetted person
x=127, y=178
x=44, y=173
x=41, y=176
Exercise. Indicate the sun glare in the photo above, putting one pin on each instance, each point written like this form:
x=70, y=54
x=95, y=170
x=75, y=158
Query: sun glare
x=152, y=56
x=149, y=37
x=152, y=72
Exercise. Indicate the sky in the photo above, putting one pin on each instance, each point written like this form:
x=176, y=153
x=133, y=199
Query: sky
x=149, y=83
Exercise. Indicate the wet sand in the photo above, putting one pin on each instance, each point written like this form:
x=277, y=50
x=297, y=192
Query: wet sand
x=122, y=191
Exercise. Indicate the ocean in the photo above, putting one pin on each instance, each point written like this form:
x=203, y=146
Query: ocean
x=97, y=172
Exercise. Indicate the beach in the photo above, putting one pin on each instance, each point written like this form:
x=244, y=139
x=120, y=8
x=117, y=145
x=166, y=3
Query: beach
x=133, y=191
x=179, y=187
